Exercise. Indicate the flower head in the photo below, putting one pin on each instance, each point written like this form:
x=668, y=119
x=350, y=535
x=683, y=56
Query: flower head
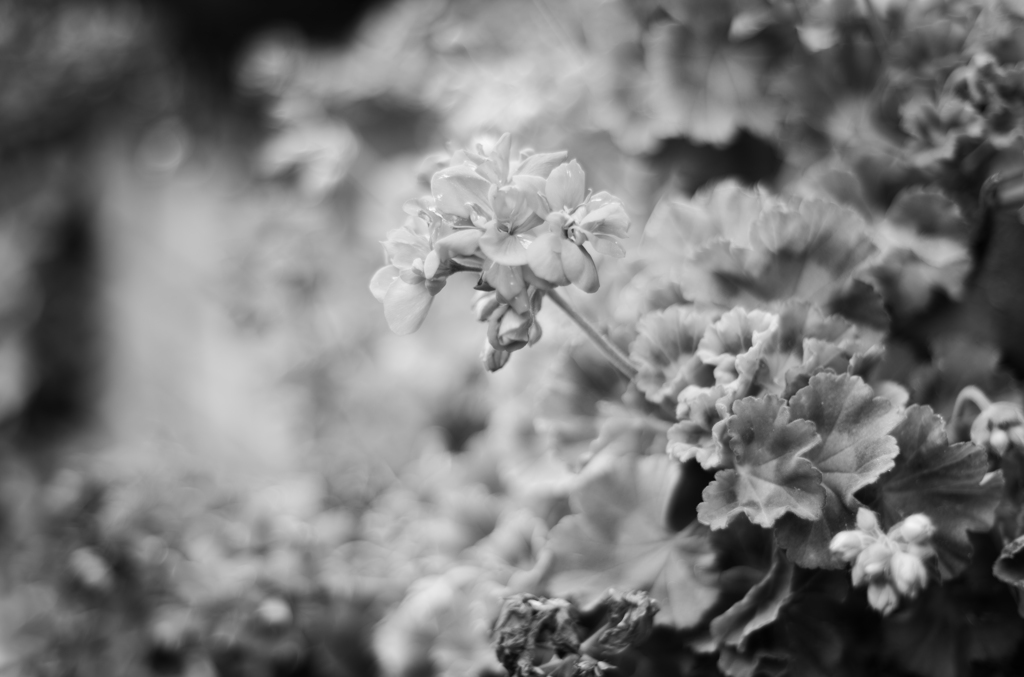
x=483, y=215
x=574, y=218
x=512, y=217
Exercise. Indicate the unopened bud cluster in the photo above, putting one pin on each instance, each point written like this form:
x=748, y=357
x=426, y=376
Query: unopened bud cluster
x=508, y=329
x=892, y=565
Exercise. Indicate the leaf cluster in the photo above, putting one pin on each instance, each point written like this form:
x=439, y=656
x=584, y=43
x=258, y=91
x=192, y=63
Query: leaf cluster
x=767, y=366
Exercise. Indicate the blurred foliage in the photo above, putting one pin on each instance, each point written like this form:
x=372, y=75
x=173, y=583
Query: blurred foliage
x=61, y=62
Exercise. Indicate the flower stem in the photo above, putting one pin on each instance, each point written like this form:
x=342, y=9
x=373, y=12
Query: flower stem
x=971, y=394
x=611, y=351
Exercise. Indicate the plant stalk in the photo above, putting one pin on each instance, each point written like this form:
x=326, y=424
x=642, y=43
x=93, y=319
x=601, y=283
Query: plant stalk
x=611, y=351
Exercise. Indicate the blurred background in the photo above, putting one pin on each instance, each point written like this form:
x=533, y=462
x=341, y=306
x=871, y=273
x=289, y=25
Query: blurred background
x=215, y=459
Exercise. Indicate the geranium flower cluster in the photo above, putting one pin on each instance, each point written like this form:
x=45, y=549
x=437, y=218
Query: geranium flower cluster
x=892, y=565
x=525, y=226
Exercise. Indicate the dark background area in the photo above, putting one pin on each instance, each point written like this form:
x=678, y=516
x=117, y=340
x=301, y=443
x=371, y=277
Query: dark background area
x=208, y=35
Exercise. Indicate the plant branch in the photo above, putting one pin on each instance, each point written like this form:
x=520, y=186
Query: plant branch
x=611, y=351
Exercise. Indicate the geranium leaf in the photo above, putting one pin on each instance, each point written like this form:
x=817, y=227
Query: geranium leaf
x=745, y=247
x=705, y=89
x=808, y=248
x=625, y=431
x=619, y=538
x=855, y=450
x=735, y=333
x=859, y=301
x=681, y=226
x=855, y=446
x=666, y=352
x=758, y=608
x=951, y=484
x=912, y=268
x=929, y=211
x=569, y=402
x=806, y=543
x=771, y=477
x=808, y=343
x=700, y=412
x=953, y=625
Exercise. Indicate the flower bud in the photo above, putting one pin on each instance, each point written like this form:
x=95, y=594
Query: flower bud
x=849, y=544
x=916, y=529
x=91, y=570
x=493, y=358
x=999, y=440
x=509, y=330
x=871, y=562
x=908, y=573
x=274, y=612
x=922, y=552
x=430, y=264
x=883, y=597
x=873, y=569
x=171, y=627
x=485, y=303
x=867, y=520
x=535, y=333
